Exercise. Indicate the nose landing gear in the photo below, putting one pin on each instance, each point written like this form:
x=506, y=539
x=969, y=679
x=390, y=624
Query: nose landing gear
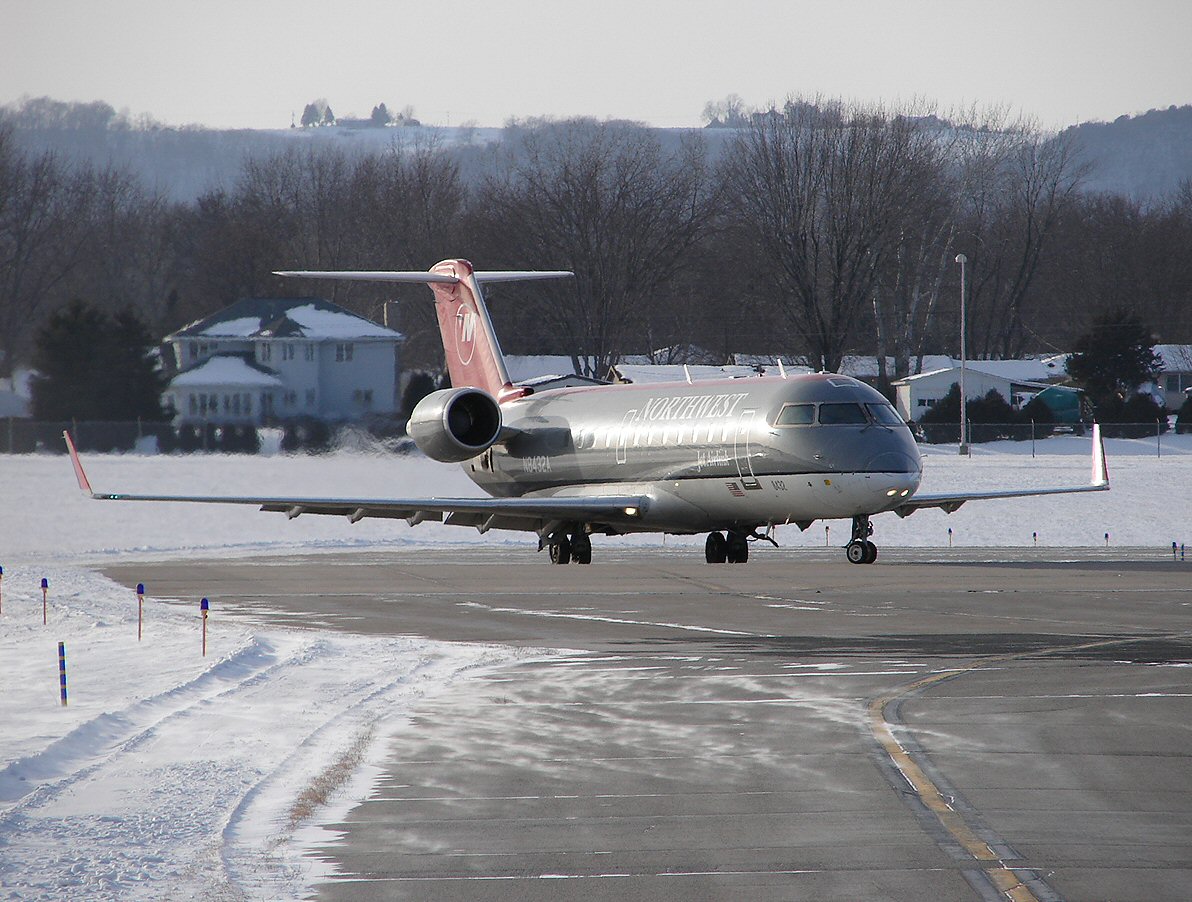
x=860, y=550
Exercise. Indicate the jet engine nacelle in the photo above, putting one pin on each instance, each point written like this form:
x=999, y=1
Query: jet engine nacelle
x=455, y=424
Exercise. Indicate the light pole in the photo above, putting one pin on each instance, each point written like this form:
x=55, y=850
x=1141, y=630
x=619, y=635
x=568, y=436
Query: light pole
x=962, y=259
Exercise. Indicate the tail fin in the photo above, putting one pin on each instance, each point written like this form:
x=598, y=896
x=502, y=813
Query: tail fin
x=474, y=358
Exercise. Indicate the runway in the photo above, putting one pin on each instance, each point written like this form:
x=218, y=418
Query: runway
x=943, y=724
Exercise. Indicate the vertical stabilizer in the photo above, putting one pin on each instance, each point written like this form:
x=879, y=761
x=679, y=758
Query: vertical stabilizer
x=470, y=347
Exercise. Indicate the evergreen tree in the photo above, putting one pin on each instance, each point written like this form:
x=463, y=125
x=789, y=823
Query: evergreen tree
x=1114, y=358
x=328, y=117
x=136, y=380
x=380, y=115
x=93, y=367
x=310, y=115
x=68, y=357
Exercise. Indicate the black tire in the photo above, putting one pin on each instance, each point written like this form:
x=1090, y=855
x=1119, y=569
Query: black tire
x=560, y=551
x=715, y=549
x=581, y=549
x=738, y=548
x=856, y=552
x=870, y=553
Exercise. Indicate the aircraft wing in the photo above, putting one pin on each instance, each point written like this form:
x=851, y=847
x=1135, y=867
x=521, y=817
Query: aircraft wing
x=533, y=513
x=951, y=501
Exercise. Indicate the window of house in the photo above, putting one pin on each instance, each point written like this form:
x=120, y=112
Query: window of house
x=343, y=353
x=309, y=350
x=266, y=351
x=291, y=398
x=247, y=403
x=194, y=405
x=311, y=396
x=194, y=350
x=368, y=397
x=287, y=352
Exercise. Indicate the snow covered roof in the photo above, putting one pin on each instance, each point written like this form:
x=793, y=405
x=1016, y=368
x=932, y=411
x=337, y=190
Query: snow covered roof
x=233, y=370
x=1176, y=358
x=311, y=318
x=524, y=367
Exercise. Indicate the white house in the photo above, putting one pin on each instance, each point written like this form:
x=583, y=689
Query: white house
x=268, y=359
x=915, y=395
x=1176, y=376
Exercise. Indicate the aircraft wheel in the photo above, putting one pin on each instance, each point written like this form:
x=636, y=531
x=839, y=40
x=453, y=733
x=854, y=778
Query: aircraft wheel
x=738, y=548
x=715, y=549
x=560, y=550
x=870, y=553
x=856, y=552
x=581, y=548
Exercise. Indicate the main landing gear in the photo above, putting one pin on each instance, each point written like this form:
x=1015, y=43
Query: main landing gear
x=734, y=549
x=860, y=550
x=564, y=549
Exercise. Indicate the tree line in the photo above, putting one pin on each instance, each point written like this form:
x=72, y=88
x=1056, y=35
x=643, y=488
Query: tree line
x=816, y=230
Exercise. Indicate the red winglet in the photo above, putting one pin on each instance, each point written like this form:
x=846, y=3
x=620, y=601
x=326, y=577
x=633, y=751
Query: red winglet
x=84, y=484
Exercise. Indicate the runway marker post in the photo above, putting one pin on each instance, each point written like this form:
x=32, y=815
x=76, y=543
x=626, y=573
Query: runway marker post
x=45, y=590
x=62, y=671
x=140, y=608
x=827, y=529
x=1, y=590
x=204, y=605
x=1173, y=550
x=1035, y=537
x=1106, y=540
x=949, y=536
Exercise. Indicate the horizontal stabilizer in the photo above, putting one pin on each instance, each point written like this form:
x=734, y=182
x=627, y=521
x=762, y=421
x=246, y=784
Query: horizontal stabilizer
x=422, y=277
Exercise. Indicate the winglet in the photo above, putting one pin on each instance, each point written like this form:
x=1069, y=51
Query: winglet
x=84, y=483
x=1100, y=466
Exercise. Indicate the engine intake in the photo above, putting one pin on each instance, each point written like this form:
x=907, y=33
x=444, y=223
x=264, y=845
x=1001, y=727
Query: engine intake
x=455, y=424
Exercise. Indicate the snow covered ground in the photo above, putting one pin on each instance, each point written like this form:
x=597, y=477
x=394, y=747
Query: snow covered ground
x=174, y=775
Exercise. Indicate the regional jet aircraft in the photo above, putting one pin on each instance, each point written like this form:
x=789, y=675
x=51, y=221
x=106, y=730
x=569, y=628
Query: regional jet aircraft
x=732, y=458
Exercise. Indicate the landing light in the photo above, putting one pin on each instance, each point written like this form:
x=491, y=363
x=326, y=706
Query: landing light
x=631, y=511
x=891, y=493
x=905, y=492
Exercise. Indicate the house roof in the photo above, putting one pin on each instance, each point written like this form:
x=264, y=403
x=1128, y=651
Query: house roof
x=311, y=318
x=233, y=370
x=1028, y=383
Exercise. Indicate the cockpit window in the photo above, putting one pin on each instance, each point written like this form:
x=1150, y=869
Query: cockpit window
x=796, y=415
x=885, y=414
x=842, y=414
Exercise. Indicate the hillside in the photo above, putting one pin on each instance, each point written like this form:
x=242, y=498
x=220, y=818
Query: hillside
x=1145, y=157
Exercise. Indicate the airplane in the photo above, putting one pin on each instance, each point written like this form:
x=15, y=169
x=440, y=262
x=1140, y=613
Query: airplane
x=733, y=458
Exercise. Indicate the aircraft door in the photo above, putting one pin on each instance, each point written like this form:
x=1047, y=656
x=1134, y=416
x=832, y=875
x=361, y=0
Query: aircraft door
x=623, y=434
x=742, y=440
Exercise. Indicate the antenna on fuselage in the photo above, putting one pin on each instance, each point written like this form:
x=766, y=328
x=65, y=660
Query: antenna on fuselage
x=781, y=368
x=687, y=373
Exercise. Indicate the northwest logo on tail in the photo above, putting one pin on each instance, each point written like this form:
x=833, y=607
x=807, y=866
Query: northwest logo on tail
x=465, y=335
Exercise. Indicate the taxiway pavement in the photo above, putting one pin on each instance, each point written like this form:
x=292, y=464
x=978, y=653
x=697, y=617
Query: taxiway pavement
x=941, y=725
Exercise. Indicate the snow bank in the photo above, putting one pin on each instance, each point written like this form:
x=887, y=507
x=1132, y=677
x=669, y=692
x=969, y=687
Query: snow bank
x=170, y=775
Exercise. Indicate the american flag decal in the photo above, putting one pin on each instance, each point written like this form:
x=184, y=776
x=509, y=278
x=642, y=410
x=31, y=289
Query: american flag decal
x=737, y=491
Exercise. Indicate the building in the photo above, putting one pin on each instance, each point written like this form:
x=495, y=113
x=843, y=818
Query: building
x=915, y=395
x=1175, y=379
x=275, y=359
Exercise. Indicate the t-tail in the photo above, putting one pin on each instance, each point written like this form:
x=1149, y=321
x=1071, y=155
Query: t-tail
x=470, y=347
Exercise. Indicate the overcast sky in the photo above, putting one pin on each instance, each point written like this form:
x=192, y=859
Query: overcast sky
x=253, y=63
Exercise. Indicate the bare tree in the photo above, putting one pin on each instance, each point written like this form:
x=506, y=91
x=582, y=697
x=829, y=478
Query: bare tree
x=1015, y=183
x=604, y=200
x=825, y=191
x=44, y=211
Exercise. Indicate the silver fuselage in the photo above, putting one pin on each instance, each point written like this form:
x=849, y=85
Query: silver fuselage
x=723, y=454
